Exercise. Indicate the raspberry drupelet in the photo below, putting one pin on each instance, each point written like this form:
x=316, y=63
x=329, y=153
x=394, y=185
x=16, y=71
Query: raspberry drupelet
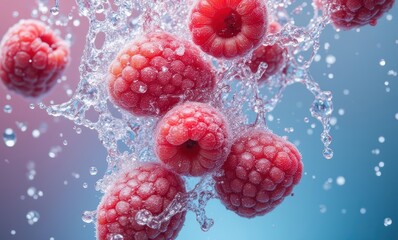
x=156, y=71
x=32, y=57
x=228, y=28
x=259, y=173
x=348, y=14
x=273, y=55
x=149, y=186
x=193, y=139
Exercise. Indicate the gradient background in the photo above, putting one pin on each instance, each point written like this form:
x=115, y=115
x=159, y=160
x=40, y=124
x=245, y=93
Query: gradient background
x=369, y=112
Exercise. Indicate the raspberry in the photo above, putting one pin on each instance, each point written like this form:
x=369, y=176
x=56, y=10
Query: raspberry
x=153, y=73
x=193, y=139
x=273, y=55
x=32, y=57
x=348, y=14
x=149, y=186
x=258, y=174
x=228, y=28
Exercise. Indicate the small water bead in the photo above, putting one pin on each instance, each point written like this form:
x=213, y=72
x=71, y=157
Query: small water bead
x=15, y=14
x=117, y=237
x=51, y=238
x=340, y=180
x=93, y=171
x=333, y=121
x=32, y=106
x=306, y=120
x=54, y=151
x=328, y=153
x=310, y=131
x=378, y=173
x=76, y=175
x=396, y=116
x=346, y=92
x=330, y=59
x=381, y=164
x=88, y=216
x=341, y=112
x=387, y=222
x=32, y=217
x=326, y=46
x=85, y=185
x=31, y=191
x=330, y=75
x=76, y=22
x=389, y=17
x=289, y=130
x=8, y=97
x=7, y=109
x=382, y=62
x=322, y=208
x=362, y=210
x=54, y=11
x=36, y=133
x=376, y=151
x=392, y=73
x=65, y=142
x=23, y=126
x=9, y=137
x=322, y=106
x=317, y=58
x=381, y=139
x=327, y=185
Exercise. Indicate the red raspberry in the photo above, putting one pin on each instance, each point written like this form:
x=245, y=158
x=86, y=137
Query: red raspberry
x=149, y=186
x=348, y=14
x=273, y=55
x=153, y=73
x=32, y=57
x=259, y=173
x=193, y=139
x=228, y=28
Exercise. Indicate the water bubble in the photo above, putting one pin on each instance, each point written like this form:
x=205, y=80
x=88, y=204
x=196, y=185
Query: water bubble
x=328, y=184
x=389, y=17
x=340, y=180
x=85, y=185
x=328, y=153
x=32, y=106
x=54, y=11
x=376, y=151
x=93, y=171
x=322, y=106
x=65, y=142
x=23, y=126
x=9, y=137
x=362, y=210
x=396, y=116
x=7, y=109
x=381, y=139
x=330, y=59
x=54, y=151
x=346, y=92
x=31, y=191
x=36, y=133
x=322, y=208
x=180, y=50
x=381, y=164
x=392, y=73
x=341, y=112
x=330, y=75
x=117, y=237
x=76, y=175
x=32, y=217
x=76, y=23
x=306, y=120
x=382, y=62
x=8, y=97
x=88, y=216
x=387, y=222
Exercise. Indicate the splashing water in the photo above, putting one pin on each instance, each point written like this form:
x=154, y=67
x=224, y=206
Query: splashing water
x=120, y=20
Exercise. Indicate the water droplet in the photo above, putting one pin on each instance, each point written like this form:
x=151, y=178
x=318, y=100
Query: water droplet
x=117, y=237
x=392, y=73
x=9, y=137
x=32, y=217
x=396, y=116
x=32, y=106
x=382, y=139
x=328, y=184
x=85, y=185
x=54, y=151
x=387, y=222
x=340, y=180
x=54, y=11
x=346, y=92
x=93, y=171
x=328, y=153
x=330, y=59
x=322, y=208
x=389, y=17
x=36, y=133
x=381, y=164
x=65, y=142
x=76, y=175
x=341, y=112
x=306, y=120
x=76, y=22
x=31, y=191
x=23, y=126
x=7, y=109
x=13, y=232
x=382, y=62
x=322, y=106
x=88, y=216
x=180, y=50
x=362, y=210
x=15, y=14
x=376, y=151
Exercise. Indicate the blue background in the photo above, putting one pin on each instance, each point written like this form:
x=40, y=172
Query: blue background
x=369, y=112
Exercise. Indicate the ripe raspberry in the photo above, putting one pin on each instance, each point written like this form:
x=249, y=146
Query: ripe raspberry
x=348, y=14
x=273, y=55
x=32, y=57
x=149, y=186
x=193, y=139
x=153, y=73
x=259, y=173
x=228, y=28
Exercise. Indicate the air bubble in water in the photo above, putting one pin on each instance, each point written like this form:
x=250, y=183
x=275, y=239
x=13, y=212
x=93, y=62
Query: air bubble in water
x=88, y=216
x=36, y=133
x=362, y=210
x=340, y=180
x=387, y=222
x=376, y=151
x=32, y=217
x=382, y=139
x=330, y=59
x=9, y=137
x=76, y=22
x=382, y=62
x=23, y=126
x=13, y=232
x=85, y=185
x=7, y=109
x=93, y=171
x=54, y=151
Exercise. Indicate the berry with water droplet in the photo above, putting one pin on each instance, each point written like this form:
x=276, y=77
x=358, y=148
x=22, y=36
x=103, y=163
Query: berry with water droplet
x=193, y=139
x=273, y=55
x=155, y=72
x=259, y=173
x=32, y=57
x=348, y=14
x=227, y=29
x=148, y=187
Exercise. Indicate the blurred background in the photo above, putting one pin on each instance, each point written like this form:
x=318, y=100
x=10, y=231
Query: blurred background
x=49, y=166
